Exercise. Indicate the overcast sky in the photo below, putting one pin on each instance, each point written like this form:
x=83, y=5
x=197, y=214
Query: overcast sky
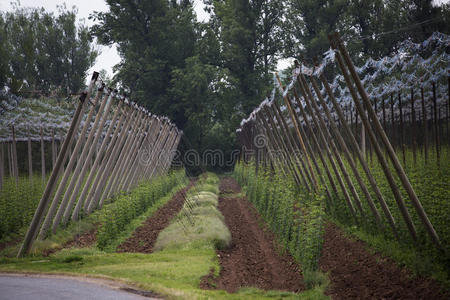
x=109, y=57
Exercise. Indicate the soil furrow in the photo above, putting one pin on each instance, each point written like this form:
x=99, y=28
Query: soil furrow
x=144, y=237
x=253, y=258
x=356, y=273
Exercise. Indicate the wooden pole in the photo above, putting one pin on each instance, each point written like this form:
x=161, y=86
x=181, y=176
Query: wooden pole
x=448, y=107
x=400, y=172
x=328, y=143
x=360, y=155
x=100, y=121
x=413, y=126
x=123, y=159
x=42, y=156
x=291, y=149
x=109, y=161
x=118, y=159
x=68, y=171
x=108, y=148
x=14, y=155
x=53, y=148
x=395, y=190
x=137, y=170
x=425, y=125
x=134, y=165
x=274, y=147
x=128, y=165
x=96, y=166
x=344, y=147
x=296, y=126
x=30, y=157
x=2, y=164
x=436, y=129
x=164, y=135
x=10, y=159
x=402, y=142
x=43, y=203
x=68, y=203
x=393, y=123
x=292, y=146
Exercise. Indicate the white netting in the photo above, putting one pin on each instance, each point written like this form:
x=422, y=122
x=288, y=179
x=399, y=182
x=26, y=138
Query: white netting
x=412, y=66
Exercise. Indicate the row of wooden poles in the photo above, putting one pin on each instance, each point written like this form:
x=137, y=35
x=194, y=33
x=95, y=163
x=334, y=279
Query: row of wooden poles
x=137, y=146
x=313, y=151
x=409, y=127
x=12, y=156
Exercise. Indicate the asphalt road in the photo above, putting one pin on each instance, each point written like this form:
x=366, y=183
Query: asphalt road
x=47, y=288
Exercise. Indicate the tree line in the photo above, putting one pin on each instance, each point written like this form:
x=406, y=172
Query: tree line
x=206, y=76
x=42, y=53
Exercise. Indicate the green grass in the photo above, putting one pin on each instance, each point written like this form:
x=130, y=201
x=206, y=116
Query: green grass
x=123, y=213
x=116, y=216
x=199, y=222
x=136, y=222
x=173, y=272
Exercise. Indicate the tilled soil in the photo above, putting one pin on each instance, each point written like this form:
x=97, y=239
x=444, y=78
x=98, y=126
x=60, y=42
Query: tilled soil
x=83, y=240
x=79, y=241
x=144, y=237
x=356, y=273
x=253, y=258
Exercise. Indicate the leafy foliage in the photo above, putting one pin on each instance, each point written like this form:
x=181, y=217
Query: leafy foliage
x=44, y=53
x=122, y=211
x=430, y=182
x=18, y=203
x=296, y=217
x=370, y=28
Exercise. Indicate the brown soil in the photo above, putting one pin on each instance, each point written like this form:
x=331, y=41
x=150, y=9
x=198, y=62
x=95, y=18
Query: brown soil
x=83, y=240
x=144, y=237
x=253, y=258
x=356, y=273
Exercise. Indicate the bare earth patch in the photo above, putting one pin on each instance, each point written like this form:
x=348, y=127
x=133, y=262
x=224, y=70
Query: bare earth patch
x=144, y=237
x=356, y=273
x=253, y=259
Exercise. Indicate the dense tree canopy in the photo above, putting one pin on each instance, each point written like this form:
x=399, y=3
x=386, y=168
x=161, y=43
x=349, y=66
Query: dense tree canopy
x=44, y=53
x=371, y=28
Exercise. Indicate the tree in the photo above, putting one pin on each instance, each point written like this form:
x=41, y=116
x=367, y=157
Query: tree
x=250, y=35
x=370, y=28
x=4, y=53
x=46, y=53
x=308, y=23
x=154, y=38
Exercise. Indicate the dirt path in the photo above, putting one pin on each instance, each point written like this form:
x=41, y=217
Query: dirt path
x=144, y=237
x=252, y=259
x=356, y=273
